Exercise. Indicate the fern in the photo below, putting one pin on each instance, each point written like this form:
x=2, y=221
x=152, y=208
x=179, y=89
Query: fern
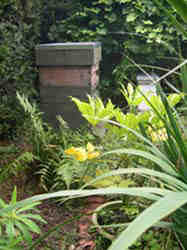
x=66, y=172
x=18, y=165
x=47, y=175
x=40, y=133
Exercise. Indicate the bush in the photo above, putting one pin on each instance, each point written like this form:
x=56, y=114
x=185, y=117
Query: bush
x=138, y=29
x=125, y=27
x=19, y=33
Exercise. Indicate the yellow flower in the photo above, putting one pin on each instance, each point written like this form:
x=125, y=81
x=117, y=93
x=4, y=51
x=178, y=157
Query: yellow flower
x=90, y=147
x=160, y=135
x=70, y=151
x=82, y=154
x=154, y=136
x=93, y=155
x=79, y=153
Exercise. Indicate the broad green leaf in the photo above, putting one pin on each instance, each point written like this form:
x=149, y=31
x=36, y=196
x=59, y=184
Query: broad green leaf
x=108, y=180
x=131, y=17
x=144, y=139
x=174, y=128
x=148, y=22
x=159, y=210
x=149, y=193
x=173, y=99
x=10, y=230
x=95, y=109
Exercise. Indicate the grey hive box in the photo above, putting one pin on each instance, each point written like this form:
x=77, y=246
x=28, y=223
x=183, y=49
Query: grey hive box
x=66, y=69
x=69, y=54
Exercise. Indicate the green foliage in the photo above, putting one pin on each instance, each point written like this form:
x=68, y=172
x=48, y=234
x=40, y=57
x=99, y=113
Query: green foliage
x=95, y=108
x=46, y=144
x=97, y=113
x=16, y=166
x=107, y=216
x=180, y=6
x=8, y=149
x=40, y=134
x=56, y=170
x=168, y=198
x=115, y=181
x=100, y=20
x=19, y=33
x=16, y=225
x=121, y=26
x=138, y=29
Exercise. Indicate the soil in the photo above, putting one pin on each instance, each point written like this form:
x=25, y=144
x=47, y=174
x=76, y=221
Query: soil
x=71, y=236
x=52, y=213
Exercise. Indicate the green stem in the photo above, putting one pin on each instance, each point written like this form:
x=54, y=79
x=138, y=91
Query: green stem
x=83, y=175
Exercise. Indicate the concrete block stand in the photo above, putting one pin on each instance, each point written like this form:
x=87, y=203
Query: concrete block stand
x=66, y=69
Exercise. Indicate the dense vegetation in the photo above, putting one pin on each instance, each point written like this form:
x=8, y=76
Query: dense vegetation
x=136, y=160
x=138, y=29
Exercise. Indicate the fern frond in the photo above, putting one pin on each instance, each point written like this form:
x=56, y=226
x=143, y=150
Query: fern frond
x=19, y=164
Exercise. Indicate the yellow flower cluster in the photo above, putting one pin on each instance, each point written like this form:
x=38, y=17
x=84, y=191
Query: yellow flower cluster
x=83, y=154
x=159, y=135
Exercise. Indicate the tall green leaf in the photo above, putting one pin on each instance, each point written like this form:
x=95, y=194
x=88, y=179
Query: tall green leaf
x=175, y=129
x=183, y=77
x=149, y=193
x=173, y=182
x=165, y=166
x=159, y=210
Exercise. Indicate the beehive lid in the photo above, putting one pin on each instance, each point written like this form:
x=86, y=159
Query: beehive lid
x=68, y=46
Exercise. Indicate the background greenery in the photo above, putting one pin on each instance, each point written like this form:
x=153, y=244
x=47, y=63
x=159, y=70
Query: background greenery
x=158, y=167
x=19, y=33
x=138, y=29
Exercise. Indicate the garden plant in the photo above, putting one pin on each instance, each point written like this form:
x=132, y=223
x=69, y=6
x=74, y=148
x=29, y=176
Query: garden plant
x=123, y=154
x=169, y=192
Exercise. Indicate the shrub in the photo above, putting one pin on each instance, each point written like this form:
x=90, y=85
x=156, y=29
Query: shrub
x=19, y=33
x=137, y=29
